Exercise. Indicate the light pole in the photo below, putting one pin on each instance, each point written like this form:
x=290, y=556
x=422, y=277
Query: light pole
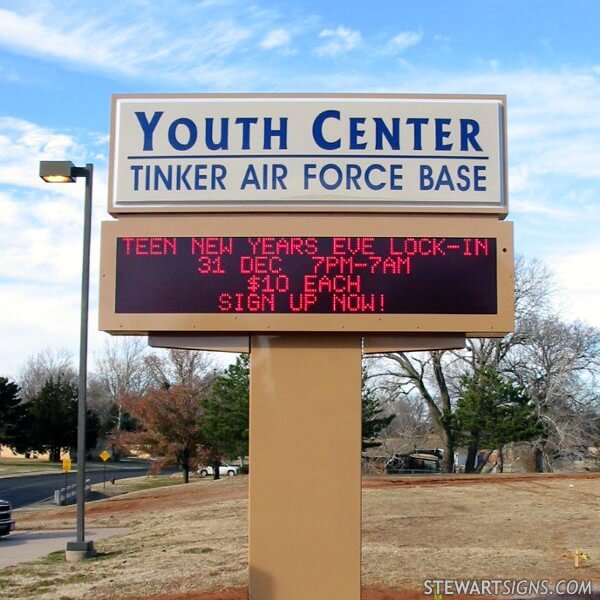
x=66, y=172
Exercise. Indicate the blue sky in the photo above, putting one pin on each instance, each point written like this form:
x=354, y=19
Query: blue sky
x=61, y=61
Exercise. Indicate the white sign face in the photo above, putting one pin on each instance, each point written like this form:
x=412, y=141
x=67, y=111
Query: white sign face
x=308, y=153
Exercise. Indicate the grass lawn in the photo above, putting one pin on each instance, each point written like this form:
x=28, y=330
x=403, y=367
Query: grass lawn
x=18, y=466
x=194, y=537
x=136, y=484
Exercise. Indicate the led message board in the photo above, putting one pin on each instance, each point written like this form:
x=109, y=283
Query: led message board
x=211, y=276
x=306, y=274
x=326, y=153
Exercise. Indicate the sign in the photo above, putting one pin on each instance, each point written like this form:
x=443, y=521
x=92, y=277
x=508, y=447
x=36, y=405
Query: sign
x=332, y=257
x=366, y=153
x=306, y=275
x=399, y=274
x=104, y=455
x=66, y=465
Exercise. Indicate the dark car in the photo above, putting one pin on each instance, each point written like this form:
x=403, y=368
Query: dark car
x=419, y=461
x=6, y=522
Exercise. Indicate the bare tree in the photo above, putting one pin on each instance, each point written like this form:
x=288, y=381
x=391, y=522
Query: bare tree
x=119, y=370
x=559, y=367
x=46, y=365
x=410, y=428
x=534, y=291
x=179, y=367
x=423, y=374
x=435, y=376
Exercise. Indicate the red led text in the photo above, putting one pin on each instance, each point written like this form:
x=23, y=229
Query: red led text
x=307, y=274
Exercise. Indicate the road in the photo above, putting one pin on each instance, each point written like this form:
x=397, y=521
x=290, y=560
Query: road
x=23, y=490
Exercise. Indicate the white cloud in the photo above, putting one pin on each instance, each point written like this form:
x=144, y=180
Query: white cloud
x=8, y=210
x=24, y=144
x=38, y=34
x=575, y=157
x=38, y=316
x=113, y=41
x=34, y=315
x=338, y=41
x=577, y=274
x=41, y=224
x=41, y=233
x=404, y=40
x=275, y=39
x=529, y=206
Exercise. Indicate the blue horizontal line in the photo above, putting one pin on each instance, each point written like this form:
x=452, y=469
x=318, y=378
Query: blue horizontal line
x=331, y=156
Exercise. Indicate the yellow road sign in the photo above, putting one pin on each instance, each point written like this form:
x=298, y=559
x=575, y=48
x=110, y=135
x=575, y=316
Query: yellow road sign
x=66, y=465
x=104, y=455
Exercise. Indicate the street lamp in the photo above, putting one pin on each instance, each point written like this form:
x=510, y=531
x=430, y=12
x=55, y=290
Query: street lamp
x=64, y=171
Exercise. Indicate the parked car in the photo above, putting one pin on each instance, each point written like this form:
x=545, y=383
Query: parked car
x=6, y=522
x=224, y=469
x=419, y=461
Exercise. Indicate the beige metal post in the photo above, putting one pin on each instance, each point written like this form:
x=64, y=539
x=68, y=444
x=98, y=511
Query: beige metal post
x=305, y=494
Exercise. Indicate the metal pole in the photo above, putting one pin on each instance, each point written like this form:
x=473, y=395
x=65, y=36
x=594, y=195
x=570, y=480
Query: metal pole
x=83, y=346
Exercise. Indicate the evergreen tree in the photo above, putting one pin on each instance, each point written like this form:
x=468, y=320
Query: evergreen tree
x=12, y=413
x=226, y=411
x=372, y=420
x=51, y=420
x=492, y=412
x=53, y=414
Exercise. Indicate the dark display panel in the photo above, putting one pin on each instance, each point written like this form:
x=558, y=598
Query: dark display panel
x=305, y=275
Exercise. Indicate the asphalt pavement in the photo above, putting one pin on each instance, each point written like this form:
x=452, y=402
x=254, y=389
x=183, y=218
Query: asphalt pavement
x=25, y=490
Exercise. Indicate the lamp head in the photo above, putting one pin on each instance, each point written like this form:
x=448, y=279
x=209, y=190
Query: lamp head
x=57, y=171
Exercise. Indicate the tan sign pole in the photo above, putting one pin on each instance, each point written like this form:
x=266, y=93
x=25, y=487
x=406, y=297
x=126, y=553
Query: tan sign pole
x=305, y=453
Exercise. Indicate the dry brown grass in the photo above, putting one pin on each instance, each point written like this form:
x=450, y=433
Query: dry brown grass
x=194, y=537
x=171, y=546
x=516, y=530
